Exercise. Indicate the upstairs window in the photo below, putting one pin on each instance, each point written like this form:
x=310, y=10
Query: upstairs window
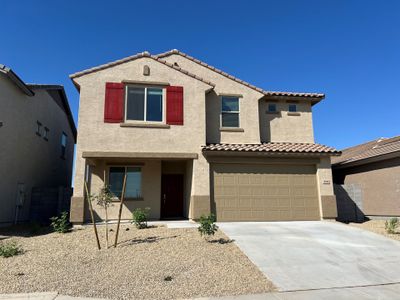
x=230, y=112
x=272, y=107
x=46, y=133
x=63, y=144
x=144, y=104
x=38, y=128
x=133, y=189
x=292, y=108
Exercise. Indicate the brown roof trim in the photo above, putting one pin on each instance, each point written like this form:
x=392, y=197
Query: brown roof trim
x=136, y=56
x=274, y=147
x=315, y=97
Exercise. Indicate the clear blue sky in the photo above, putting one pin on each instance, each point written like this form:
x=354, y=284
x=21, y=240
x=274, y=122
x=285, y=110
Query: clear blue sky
x=349, y=50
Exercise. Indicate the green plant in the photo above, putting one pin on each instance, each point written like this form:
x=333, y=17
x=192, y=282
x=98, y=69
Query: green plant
x=391, y=225
x=8, y=249
x=60, y=224
x=105, y=199
x=139, y=217
x=207, y=225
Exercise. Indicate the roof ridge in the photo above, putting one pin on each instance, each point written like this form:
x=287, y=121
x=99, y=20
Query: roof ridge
x=136, y=56
x=260, y=90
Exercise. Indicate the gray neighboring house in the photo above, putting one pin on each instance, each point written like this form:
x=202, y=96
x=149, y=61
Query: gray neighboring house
x=37, y=138
x=367, y=180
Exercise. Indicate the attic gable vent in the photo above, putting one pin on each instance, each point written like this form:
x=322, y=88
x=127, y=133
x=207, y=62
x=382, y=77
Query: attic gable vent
x=146, y=70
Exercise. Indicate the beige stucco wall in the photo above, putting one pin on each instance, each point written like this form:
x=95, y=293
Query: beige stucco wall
x=257, y=125
x=95, y=135
x=24, y=156
x=284, y=126
x=325, y=188
x=380, y=184
x=248, y=103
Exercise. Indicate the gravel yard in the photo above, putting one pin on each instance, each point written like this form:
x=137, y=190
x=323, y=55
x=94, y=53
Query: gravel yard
x=377, y=226
x=137, y=269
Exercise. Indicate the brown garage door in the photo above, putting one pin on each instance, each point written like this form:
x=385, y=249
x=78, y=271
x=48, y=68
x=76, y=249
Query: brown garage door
x=265, y=192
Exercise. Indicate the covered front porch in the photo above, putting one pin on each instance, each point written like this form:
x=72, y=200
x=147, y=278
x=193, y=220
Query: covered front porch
x=161, y=182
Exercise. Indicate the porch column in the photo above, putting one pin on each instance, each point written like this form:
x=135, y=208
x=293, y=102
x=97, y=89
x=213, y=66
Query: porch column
x=325, y=188
x=78, y=201
x=200, y=193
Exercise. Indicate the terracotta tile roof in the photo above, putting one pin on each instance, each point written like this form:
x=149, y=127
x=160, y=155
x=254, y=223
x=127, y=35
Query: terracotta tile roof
x=267, y=93
x=370, y=149
x=275, y=147
x=136, y=56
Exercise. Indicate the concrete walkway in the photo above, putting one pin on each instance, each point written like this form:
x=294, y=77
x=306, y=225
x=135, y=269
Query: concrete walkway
x=299, y=256
x=382, y=292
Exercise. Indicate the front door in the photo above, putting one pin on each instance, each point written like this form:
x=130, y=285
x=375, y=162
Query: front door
x=171, y=196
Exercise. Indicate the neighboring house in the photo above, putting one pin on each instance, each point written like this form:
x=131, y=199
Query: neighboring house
x=37, y=137
x=367, y=180
x=194, y=139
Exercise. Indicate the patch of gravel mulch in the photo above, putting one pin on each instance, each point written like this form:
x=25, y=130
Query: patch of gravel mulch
x=153, y=263
x=377, y=226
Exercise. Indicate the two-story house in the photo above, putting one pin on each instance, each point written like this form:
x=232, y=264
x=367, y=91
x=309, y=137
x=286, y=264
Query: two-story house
x=193, y=139
x=37, y=139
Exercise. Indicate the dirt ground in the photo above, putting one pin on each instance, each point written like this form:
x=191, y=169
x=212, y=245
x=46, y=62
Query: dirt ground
x=377, y=226
x=153, y=263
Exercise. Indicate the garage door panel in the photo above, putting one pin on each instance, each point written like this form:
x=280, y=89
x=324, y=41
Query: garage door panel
x=265, y=193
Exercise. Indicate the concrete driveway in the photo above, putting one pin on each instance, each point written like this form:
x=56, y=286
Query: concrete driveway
x=315, y=255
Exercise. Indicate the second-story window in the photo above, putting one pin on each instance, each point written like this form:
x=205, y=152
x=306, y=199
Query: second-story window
x=230, y=112
x=272, y=107
x=144, y=104
x=292, y=108
x=63, y=144
x=38, y=128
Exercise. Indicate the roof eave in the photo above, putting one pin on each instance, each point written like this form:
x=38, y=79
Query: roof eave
x=16, y=80
x=364, y=161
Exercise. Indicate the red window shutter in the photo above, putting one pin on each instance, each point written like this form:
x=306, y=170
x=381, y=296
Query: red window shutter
x=114, y=103
x=175, y=105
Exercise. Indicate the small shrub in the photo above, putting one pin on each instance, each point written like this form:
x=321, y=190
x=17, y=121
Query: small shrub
x=60, y=224
x=391, y=225
x=139, y=217
x=207, y=225
x=168, y=278
x=8, y=249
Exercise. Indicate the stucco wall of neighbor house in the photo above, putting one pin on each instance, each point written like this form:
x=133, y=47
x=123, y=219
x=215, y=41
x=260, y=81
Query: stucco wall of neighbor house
x=284, y=126
x=380, y=184
x=95, y=135
x=256, y=124
x=24, y=156
x=325, y=189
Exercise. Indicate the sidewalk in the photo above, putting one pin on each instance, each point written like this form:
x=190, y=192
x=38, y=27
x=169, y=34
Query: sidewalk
x=387, y=291
x=42, y=296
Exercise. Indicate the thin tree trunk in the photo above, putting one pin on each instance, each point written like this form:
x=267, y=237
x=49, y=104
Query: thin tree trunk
x=120, y=210
x=92, y=216
x=106, y=228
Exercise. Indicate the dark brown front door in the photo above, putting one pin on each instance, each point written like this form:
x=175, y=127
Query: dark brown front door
x=171, y=196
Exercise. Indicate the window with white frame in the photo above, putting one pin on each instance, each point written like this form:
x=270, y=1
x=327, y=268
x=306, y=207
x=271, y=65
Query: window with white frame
x=133, y=189
x=230, y=112
x=144, y=104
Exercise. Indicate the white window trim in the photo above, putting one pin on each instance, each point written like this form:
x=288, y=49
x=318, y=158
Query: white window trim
x=127, y=166
x=228, y=112
x=164, y=98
